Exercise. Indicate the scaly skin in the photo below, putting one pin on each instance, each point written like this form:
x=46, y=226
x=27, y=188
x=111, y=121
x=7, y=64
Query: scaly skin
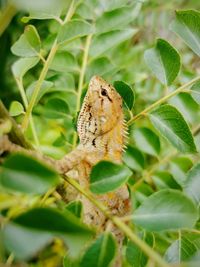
x=101, y=131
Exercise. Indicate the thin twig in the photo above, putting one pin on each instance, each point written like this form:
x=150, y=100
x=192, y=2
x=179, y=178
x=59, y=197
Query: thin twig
x=162, y=100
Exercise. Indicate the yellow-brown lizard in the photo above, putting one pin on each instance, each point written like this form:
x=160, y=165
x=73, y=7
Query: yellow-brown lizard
x=101, y=131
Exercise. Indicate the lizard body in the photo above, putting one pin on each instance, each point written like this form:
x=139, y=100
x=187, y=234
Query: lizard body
x=102, y=134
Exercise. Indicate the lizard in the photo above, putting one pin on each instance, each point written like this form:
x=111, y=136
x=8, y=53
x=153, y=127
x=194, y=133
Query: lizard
x=102, y=132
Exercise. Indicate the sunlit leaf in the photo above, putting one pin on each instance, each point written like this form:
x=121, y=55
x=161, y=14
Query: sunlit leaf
x=16, y=108
x=166, y=210
x=21, y=66
x=171, y=124
x=107, y=176
x=24, y=174
x=187, y=26
x=164, y=61
x=28, y=44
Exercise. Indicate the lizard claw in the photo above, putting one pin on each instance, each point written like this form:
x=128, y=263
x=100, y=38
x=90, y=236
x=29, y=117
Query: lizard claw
x=4, y=144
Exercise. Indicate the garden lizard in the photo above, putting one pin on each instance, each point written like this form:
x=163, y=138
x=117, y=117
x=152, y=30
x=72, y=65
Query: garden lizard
x=102, y=133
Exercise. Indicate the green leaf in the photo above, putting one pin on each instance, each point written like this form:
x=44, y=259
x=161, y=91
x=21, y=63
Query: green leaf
x=196, y=92
x=134, y=159
x=179, y=168
x=164, y=61
x=166, y=210
x=147, y=141
x=117, y=18
x=187, y=106
x=16, y=108
x=29, y=44
x=107, y=176
x=45, y=87
x=171, y=124
x=100, y=67
x=76, y=207
x=187, y=26
x=21, y=66
x=126, y=93
x=37, y=226
x=24, y=174
x=106, y=41
x=135, y=256
x=45, y=9
x=74, y=29
x=183, y=249
x=100, y=253
x=163, y=179
x=56, y=108
x=192, y=184
x=64, y=62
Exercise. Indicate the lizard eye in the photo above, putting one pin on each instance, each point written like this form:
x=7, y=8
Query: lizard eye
x=104, y=92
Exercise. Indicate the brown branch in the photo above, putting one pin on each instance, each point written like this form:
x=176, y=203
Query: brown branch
x=15, y=134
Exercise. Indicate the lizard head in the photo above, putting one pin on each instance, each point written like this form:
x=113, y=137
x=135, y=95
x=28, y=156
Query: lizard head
x=101, y=110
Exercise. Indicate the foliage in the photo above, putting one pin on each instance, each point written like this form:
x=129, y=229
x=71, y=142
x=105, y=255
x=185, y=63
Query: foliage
x=49, y=52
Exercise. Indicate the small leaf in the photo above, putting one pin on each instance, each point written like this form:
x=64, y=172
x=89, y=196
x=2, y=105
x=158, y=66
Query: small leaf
x=179, y=168
x=21, y=66
x=102, y=251
x=45, y=87
x=196, y=92
x=56, y=108
x=117, y=18
x=187, y=26
x=171, y=124
x=126, y=93
x=28, y=45
x=135, y=256
x=192, y=184
x=183, y=249
x=107, y=176
x=74, y=29
x=24, y=174
x=134, y=159
x=45, y=9
x=147, y=141
x=100, y=67
x=163, y=179
x=105, y=41
x=164, y=61
x=166, y=210
x=64, y=62
x=38, y=226
x=16, y=108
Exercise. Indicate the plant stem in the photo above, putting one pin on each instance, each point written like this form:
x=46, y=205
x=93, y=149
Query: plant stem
x=81, y=80
x=39, y=84
x=162, y=100
x=25, y=101
x=121, y=225
x=16, y=135
x=6, y=17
